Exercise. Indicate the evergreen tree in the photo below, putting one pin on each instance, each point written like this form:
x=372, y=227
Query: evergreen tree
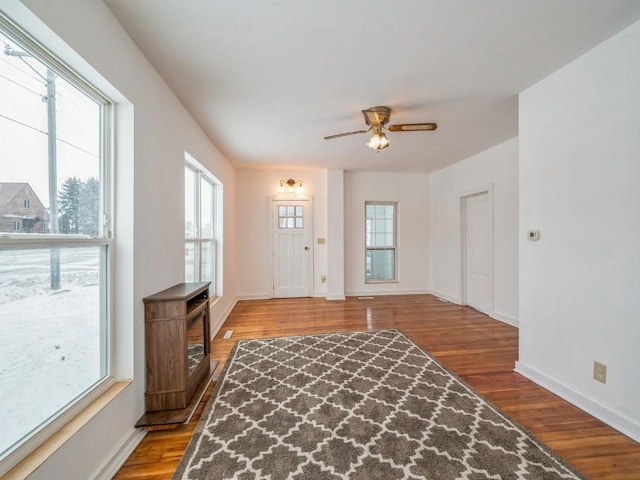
x=78, y=206
x=69, y=206
x=88, y=214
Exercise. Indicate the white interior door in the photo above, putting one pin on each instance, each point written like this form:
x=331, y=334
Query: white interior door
x=478, y=252
x=292, y=243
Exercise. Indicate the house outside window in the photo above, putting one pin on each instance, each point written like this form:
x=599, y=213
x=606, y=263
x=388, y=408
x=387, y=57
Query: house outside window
x=19, y=213
x=380, y=242
x=201, y=202
x=55, y=355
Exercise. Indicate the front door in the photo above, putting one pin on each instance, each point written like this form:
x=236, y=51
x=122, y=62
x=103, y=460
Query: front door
x=292, y=243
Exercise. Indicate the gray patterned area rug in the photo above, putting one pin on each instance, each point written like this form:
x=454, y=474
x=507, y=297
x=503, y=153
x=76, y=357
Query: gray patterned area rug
x=362, y=406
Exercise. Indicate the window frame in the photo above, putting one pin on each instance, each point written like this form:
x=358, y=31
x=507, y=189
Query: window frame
x=202, y=174
x=393, y=247
x=104, y=241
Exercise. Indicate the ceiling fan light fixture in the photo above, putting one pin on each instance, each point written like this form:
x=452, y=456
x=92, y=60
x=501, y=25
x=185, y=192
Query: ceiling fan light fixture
x=377, y=118
x=378, y=141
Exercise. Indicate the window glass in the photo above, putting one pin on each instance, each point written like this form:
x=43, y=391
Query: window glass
x=47, y=360
x=380, y=241
x=54, y=328
x=206, y=208
x=207, y=261
x=189, y=203
x=190, y=263
x=200, y=232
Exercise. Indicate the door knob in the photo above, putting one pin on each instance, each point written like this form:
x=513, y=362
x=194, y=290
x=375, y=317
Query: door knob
x=306, y=248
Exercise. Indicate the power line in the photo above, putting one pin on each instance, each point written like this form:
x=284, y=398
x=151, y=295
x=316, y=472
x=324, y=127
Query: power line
x=71, y=99
x=23, y=124
x=21, y=86
x=46, y=133
x=22, y=71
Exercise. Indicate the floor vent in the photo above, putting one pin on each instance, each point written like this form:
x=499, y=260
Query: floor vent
x=227, y=334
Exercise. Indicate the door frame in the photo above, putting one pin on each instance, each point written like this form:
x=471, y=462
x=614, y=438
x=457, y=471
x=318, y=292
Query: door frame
x=463, y=196
x=290, y=198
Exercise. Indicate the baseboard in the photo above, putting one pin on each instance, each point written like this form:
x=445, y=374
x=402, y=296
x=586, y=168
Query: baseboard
x=375, y=293
x=505, y=319
x=333, y=296
x=121, y=454
x=444, y=296
x=255, y=296
x=215, y=328
x=615, y=420
x=495, y=315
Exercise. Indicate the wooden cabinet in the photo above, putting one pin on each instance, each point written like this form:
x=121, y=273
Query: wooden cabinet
x=177, y=344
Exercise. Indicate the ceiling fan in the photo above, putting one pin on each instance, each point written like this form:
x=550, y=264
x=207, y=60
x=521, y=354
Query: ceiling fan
x=377, y=118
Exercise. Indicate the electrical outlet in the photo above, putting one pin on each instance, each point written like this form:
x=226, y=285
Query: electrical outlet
x=600, y=372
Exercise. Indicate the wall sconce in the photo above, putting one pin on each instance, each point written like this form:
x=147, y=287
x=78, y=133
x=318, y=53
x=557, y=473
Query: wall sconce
x=291, y=186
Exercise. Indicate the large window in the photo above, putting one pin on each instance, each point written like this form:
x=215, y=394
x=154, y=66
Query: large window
x=380, y=241
x=55, y=244
x=199, y=224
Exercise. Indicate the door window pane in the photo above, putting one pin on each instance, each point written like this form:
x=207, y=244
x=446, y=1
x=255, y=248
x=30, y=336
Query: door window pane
x=290, y=216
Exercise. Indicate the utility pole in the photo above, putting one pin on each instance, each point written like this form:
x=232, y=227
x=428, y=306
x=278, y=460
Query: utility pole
x=50, y=82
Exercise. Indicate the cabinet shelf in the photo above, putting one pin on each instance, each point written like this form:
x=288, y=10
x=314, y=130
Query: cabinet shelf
x=195, y=307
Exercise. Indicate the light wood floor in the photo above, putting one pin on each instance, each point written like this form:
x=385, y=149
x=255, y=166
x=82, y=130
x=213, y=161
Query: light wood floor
x=481, y=350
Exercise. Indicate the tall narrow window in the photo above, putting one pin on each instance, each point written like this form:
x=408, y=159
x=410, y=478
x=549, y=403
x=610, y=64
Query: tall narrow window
x=199, y=225
x=380, y=241
x=54, y=244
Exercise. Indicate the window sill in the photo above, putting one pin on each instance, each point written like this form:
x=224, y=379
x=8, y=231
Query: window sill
x=36, y=458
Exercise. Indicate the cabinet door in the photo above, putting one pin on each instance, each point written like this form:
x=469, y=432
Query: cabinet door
x=166, y=363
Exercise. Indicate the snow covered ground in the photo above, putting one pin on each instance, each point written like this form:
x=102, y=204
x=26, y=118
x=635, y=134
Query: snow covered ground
x=49, y=341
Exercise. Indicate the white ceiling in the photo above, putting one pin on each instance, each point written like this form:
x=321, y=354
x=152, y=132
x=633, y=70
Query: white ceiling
x=267, y=80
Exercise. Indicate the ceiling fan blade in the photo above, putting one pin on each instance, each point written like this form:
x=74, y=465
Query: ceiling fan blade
x=345, y=134
x=412, y=127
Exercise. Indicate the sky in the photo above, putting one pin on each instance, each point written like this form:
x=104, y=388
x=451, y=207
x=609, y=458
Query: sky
x=23, y=125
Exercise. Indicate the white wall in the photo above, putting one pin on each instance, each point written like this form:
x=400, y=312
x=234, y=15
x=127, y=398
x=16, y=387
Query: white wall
x=411, y=191
x=335, y=234
x=153, y=132
x=497, y=167
x=255, y=189
x=579, y=177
